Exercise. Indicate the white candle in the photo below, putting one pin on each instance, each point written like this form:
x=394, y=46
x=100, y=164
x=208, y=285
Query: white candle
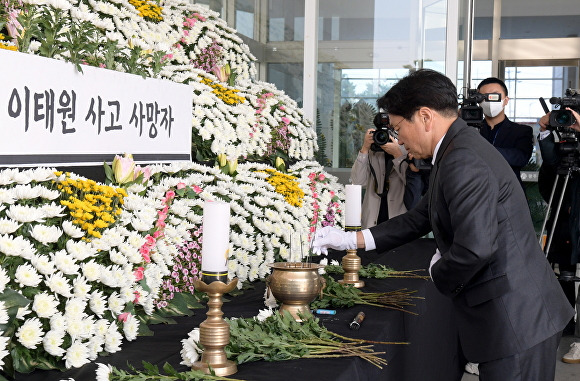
x=353, y=205
x=216, y=237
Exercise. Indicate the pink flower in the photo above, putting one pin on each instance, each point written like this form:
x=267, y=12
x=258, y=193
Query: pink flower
x=157, y=234
x=285, y=120
x=170, y=194
x=149, y=240
x=197, y=189
x=139, y=273
x=137, y=296
x=102, y=65
x=312, y=176
x=124, y=316
x=180, y=186
x=146, y=171
x=321, y=177
x=282, y=108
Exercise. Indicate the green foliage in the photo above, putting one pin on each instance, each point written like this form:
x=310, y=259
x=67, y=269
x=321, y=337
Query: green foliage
x=338, y=295
x=152, y=373
x=281, y=337
x=378, y=271
x=321, y=141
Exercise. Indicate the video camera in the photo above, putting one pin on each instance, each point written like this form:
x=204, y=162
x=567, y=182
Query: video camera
x=470, y=110
x=562, y=118
x=560, y=121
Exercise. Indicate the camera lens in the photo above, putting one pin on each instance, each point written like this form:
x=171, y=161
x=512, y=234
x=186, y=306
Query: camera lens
x=381, y=137
x=562, y=118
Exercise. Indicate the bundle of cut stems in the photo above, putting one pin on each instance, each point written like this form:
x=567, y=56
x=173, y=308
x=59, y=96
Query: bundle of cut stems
x=338, y=295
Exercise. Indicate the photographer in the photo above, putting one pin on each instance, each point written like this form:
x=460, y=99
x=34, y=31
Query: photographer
x=382, y=173
x=565, y=248
x=514, y=141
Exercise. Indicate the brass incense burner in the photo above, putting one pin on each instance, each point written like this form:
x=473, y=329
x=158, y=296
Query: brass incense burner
x=214, y=332
x=295, y=285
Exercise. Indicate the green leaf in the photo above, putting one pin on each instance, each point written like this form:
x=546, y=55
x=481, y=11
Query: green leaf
x=177, y=306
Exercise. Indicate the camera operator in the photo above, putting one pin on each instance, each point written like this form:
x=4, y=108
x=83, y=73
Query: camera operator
x=566, y=247
x=382, y=173
x=514, y=141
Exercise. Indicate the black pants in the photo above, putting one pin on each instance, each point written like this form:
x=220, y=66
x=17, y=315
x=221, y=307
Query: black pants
x=538, y=363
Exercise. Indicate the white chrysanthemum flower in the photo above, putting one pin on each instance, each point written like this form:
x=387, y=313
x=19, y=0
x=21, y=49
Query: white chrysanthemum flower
x=72, y=230
x=103, y=372
x=81, y=287
x=58, y=283
x=10, y=246
x=30, y=333
x=65, y=262
x=8, y=226
x=3, y=313
x=52, y=342
x=53, y=210
x=91, y=270
x=50, y=194
x=95, y=346
x=264, y=314
x=45, y=305
x=25, y=192
x=27, y=276
x=113, y=339
x=22, y=312
x=80, y=250
x=77, y=355
x=97, y=303
x=43, y=264
x=4, y=279
x=190, y=350
x=101, y=328
x=3, y=348
x=116, y=303
x=24, y=213
x=58, y=322
x=131, y=328
x=75, y=307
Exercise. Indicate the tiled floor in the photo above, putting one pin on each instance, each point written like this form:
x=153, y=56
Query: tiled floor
x=564, y=372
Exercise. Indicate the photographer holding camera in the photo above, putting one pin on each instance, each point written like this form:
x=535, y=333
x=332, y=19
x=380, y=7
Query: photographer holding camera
x=566, y=247
x=514, y=141
x=380, y=167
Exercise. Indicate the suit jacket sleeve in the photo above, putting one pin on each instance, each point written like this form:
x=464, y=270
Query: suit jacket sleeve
x=467, y=197
x=522, y=149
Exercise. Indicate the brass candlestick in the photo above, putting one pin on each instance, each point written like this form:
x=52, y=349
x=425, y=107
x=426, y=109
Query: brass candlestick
x=351, y=264
x=214, y=332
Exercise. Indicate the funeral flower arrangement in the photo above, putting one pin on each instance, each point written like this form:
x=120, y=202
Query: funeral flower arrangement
x=85, y=265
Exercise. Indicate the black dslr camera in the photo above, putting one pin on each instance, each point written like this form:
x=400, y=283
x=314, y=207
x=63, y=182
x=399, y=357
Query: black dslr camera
x=470, y=110
x=562, y=118
x=383, y=131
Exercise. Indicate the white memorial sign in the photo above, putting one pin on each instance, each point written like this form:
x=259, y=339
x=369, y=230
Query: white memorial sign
x=51, y=114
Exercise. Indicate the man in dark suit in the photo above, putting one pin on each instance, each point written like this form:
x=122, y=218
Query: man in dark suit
x=508, y=306
x=514, y=141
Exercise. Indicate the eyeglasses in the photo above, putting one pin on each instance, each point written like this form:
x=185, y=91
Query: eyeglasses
x=396, y=125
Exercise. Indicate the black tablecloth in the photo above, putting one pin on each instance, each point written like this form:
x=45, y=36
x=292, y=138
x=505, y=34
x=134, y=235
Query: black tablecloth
x=431, y=334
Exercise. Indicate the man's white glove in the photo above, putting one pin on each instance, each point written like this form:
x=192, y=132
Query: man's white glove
x=333, y=238
x=434, y=259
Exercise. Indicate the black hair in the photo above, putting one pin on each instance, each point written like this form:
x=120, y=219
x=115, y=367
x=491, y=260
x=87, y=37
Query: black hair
x=489, y=80
x=421, y=88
